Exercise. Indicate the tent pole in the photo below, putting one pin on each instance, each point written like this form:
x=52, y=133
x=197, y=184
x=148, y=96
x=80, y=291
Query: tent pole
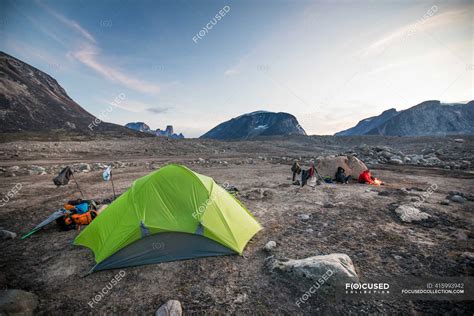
x=112, y=180
x=77, y=184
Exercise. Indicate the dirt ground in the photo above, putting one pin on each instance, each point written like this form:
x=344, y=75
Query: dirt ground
x=353, y=219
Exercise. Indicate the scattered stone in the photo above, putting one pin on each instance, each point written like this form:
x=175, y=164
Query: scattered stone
x=270, y=245
x=410, y=214
x=444, y=202
x=17, y=302
x=170, y=308
x=5, y=234
x=36, y=170
x=468, y=255
x=84, y=167
x=460, y=235
x=304, y=217
x=459, y=140
x=396, y=161
x=313, y=268
x=241, y=298
x=457, y=198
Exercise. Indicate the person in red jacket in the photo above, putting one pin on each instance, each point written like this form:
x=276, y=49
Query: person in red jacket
x=366, y=178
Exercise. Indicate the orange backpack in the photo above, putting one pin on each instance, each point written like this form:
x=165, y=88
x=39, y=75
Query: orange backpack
x=83, y=219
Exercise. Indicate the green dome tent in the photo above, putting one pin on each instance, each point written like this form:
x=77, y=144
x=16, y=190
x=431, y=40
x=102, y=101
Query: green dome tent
x=170, y=214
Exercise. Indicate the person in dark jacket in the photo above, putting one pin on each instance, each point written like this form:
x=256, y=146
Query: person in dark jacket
x=296, y=169
x=341, y=176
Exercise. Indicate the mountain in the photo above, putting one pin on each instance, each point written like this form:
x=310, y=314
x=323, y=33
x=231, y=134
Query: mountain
x=260, y=123
x=424, y=119
x=366, y=125
x=139, y=126
x=32, y=101
x=144, y=128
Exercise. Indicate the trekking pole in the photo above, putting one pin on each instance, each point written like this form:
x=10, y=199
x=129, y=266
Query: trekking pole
x=77, y=184
x=112, y=180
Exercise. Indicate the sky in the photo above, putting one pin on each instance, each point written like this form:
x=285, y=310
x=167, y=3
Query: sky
x=195, y=64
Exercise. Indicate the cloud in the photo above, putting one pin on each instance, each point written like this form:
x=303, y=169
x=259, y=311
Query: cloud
x=69, y=22
x=157, y=110
x=89, y=56
x=236, y=69
x=426, y=22
x=232, y=72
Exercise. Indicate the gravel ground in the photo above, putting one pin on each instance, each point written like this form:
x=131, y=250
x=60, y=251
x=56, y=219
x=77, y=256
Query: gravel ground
x=354, y=219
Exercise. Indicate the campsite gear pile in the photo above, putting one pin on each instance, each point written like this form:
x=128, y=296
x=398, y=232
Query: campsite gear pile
x=73, y=214
x=330, y=169
x=78, y=213
x=170, y=214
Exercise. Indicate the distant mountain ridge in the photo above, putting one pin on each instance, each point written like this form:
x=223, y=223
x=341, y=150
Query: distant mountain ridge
x=33, y=101
x=144, y=128
x=429, y=118
x=255, y=124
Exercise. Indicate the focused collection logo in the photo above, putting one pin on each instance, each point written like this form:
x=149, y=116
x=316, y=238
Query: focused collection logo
x=367, y=288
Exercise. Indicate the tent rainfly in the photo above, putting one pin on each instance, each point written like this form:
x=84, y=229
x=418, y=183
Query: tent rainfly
x=171, y=214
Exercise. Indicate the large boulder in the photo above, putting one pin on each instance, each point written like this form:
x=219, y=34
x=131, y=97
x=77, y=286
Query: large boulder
x=170, y=308
x=327, y=166
x=410, y=214
x=337, y=266
x=17, y=302
x=5, y=234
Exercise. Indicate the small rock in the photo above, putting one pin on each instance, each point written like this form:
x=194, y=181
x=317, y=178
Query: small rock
x=397, y=257
x=201, y=160
x=270, y=245
x=36, y=170
x=84, y=167
x=460, y=235
x=459, y=140
x=304, y=217
x=468, y=255
x=444, y=202
x=241, y=298
x=5, y=234
x=17, y=302
x=396, y=161
x=457, y=198
x=170, y=308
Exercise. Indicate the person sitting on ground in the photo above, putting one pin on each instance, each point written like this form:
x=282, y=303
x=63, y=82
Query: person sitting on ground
x=296, y=169
x=311, y=170
x=366, y=178
x=341, y=176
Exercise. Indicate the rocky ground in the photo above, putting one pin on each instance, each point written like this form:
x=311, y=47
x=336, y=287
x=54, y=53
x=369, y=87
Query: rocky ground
x=369, y=224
